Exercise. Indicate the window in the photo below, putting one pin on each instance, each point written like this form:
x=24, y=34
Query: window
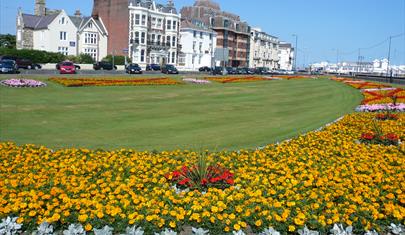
x=137, y=19
x=199, y=59
x=153, y=22
x=91, y=52
x=173, y=57
x=63, y=50
x=62, y=20
x=210, y=36
x=136, y=37
x=143, y=55
x=159, y=37
x=153, y=38
x=194, y=44
x=174, y=24
x=90, y=25
x=200, y=47
x=132, y=20
x=173, y=41
x=201, y=34
x=143, y=19
x=159, y=23
x=90, y=38
x=169, y=25
x=168, y=40
x=62, y=36
x=195, y=34
x=143, y=37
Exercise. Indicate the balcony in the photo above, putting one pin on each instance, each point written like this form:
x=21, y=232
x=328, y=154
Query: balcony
x=158, y=45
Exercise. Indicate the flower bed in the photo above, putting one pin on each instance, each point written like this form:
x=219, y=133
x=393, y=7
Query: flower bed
x=293, y=77
x=396, y=95
x=196, y=81
x=22, y=83
x=236, y=79
x=364, y=84
x=79, y=82
x=381, y=107
x=316, y=180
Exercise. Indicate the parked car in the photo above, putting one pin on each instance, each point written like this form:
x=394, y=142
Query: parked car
x=218, y=70
x=67, y=68
x=8, y=66
x=104, y=65
x=231, y=70
x=153, y=67
x=133, y=68
x=169, y=69
x=204, y=69
x=243, y=71
x=262, y=70
x=77, y=67
x=22, y=63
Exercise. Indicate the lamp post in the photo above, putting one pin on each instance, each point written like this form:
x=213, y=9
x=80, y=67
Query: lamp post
x=296, y=51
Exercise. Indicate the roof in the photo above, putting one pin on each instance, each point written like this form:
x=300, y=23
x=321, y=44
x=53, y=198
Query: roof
x=185, y=24
x=38, y=22
x=168, y=8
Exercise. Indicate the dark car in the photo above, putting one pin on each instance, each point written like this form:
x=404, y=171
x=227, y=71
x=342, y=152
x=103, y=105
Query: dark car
x=77, y=67
x=231, y=70
x=242, y=70
x=153, y=67
x=22, y=63
x=219, y=71
x=8, y=66
x=104, y=65
x=133, y=68
x=204, y=69
x=169, y=69
x=262, y=70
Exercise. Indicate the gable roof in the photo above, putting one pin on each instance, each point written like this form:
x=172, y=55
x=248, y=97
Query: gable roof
x=38, y=22
x=81, y=22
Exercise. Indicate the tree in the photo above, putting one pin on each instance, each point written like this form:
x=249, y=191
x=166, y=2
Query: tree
x=118, y=60
x=7, y=41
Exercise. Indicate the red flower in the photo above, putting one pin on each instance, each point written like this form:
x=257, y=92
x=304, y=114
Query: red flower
x=392, y=137
x=204, y=181
x=368, y=136
x=176, y=174
x=184, y=181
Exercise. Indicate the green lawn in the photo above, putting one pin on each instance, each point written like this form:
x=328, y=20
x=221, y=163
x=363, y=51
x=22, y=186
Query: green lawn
x=215, y=117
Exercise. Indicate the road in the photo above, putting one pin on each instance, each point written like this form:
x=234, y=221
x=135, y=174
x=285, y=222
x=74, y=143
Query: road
x=50, y=72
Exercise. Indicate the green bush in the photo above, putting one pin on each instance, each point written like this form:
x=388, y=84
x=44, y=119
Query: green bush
x=35, y=56
x=118, y=60
x=85, y=59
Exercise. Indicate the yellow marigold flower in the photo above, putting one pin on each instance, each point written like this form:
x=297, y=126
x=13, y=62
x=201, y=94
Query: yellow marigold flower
x=20, y=220
x=32, y=213
x=236, y=227
x=82, y=218
x=214, y=209
x=172, y=224
x=100, y=214
x=149, y=218
x=291, y=228
x=88, y=227
x=258, y=223
x=390, y=196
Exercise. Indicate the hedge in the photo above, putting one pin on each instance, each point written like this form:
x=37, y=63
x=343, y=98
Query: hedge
x=35, y=56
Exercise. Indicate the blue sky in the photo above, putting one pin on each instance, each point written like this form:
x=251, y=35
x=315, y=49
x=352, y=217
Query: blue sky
x=323, y=26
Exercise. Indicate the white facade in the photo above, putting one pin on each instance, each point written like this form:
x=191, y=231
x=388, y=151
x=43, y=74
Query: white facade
x=286, y=56
x=61, y=33
x=92, y=40
x=197, y=47
x=60, y=36
x=263, y=50
x=153, y=34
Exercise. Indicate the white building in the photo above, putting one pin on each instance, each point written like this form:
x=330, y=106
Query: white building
x=286, y=56
x=198, y=44
x=263, y=50
x=153, y=32
x=55, y=31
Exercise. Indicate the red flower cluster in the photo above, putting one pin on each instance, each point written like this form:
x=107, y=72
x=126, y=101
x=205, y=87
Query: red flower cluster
x=195, y=178
x=383, y=116
x=372, y=138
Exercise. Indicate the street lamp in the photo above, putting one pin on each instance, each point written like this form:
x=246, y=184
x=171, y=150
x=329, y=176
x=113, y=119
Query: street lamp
x=296, y=51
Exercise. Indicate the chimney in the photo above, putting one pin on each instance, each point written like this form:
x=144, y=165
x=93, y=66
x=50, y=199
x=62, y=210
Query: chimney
x=78, y=13
x=40, y=8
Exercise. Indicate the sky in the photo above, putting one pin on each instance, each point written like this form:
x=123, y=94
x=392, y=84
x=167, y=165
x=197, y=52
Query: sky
x=328, y=30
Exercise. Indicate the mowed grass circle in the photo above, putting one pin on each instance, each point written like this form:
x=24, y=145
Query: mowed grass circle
x=197, y=117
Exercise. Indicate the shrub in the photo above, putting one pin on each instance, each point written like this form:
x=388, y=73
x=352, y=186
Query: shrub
x=34, y=55
x=118, y=60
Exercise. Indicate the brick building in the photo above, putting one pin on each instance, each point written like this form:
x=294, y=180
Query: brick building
x=115, y=15
x=232, y=33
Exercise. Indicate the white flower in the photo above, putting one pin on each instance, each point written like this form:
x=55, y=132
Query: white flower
x=306, y=231
x=240, y=232
x=167, y=232
x=44, y=229
x=371, y=232
x=106, y=230
x=74, y=229
x=9, y=226
x=397, y=229
x=270, y=231
x=200, y=231
x=338, y=229
x=134, y=231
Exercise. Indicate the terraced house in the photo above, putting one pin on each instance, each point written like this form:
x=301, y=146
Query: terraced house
x=233, y=35
x=56, y=31
x=263, y=49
